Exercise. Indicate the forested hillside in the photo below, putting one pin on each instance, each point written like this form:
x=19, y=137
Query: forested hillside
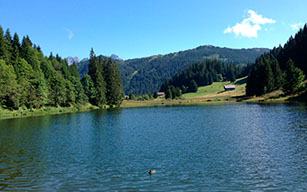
x=201, y=74
x=30, y=80
x=145, y=75
x=283, y=68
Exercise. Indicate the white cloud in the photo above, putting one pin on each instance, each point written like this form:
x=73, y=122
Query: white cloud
x=70, y=33
x=250, y=26
x=297, y=26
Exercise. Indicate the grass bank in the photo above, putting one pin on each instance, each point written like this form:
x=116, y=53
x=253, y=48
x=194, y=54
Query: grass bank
x=215, y=94
x=8, y=114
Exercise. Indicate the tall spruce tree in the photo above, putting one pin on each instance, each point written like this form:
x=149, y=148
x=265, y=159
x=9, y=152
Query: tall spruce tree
x=264, y=77
x=15, y=47
x=74, y=70
x=89, y=88
x=3, y=47
x=96, y=73
x=115, y=93
x=293, y=78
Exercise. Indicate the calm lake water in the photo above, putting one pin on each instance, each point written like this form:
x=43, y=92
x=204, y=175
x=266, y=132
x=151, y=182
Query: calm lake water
x=245, y=147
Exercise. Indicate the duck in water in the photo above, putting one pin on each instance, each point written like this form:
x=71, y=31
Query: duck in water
x=152, y=171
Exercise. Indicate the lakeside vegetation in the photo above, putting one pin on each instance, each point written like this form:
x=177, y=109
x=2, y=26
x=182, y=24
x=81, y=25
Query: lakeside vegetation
x=34, y=84
x=202, y=74
x=284, y=68
x=145, y=75
x=31, y=83
x=48, y=110
x=215, y=94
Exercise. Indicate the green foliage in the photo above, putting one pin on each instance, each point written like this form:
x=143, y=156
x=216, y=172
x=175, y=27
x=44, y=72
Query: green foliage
x=57, y=88
x=89, y=88
x=3, y=47
x=293, y=78
x=172, y=92
x=115, y=93
x=145, y=75
x=168, y=93
x=201, y=74
x=25, y=74
x=8, y=86
x=140, y=97
x=74, y=70
x=295, y=49
x=15, y=47
x=96, y=73
x=80, y=96
x=193, y=86
x=131, y=96
x=30, y=80
x=266, y=75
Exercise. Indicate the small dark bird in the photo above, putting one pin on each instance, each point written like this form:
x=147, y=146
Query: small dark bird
x=152, y=171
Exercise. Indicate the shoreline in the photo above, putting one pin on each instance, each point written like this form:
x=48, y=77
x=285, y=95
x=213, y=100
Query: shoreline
x=7, y=114
x=21, y=113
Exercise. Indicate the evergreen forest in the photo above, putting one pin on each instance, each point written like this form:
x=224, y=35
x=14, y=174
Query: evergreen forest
x=30, y=80
x=283, y=68
x=146, y=75
x=202, y=74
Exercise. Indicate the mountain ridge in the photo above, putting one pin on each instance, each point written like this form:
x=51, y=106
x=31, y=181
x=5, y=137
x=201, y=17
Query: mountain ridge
x=146, y=74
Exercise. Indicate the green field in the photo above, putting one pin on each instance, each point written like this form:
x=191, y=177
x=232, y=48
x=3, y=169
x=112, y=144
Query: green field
x=217, y=88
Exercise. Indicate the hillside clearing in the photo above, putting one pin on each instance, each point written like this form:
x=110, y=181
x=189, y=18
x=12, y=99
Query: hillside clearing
x=216, y=89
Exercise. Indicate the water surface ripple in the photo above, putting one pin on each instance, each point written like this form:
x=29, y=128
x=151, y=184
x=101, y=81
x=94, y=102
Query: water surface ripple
x=245, y=147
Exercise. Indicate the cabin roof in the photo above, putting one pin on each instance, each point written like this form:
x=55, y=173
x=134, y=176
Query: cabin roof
x=231, y=86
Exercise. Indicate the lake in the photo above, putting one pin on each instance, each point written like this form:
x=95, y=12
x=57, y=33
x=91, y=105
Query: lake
x=246, y=147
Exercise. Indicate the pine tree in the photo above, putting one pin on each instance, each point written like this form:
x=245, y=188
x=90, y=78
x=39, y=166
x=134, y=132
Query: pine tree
x=277, y=73
x=168, y=93
x=3, y=47
x=114, y=85
x=8, y=36
x=74, y=70
x=89, y=88
x=293, y=78
x=80, y=97
x=268, y=77
x=96, y=73
x=9, y=48
x=193, y=86
x=70, y=96
x=16, y=47
x=58, y=92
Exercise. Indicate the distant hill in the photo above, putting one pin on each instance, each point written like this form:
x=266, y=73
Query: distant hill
x=145, y=75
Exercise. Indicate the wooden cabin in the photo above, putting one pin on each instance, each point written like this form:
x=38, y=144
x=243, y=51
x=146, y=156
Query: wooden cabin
x=230, y=87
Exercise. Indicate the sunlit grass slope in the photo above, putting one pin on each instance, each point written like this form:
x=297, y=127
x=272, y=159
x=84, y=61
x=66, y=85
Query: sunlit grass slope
x=217, y=89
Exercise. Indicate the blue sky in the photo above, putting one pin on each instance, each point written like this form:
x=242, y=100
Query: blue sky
x=139, y=28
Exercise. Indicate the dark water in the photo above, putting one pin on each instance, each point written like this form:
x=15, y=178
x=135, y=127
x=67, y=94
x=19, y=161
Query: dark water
x=208, y=148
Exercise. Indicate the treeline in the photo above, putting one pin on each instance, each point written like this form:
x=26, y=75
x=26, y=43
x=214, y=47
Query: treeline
x=145, y=75
x=283, y=68
x=201, y=74
x=28, y=79
x=102, y=84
